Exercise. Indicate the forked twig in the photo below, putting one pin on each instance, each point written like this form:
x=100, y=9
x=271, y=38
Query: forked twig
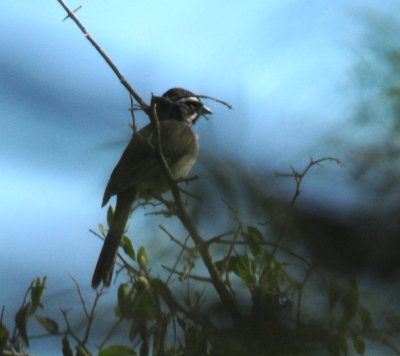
x=300, y=176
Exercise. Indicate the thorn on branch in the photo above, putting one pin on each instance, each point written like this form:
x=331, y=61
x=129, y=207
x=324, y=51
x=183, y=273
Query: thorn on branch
x=74, y=11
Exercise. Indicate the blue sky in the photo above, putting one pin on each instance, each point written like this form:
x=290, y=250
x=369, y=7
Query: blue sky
x=64, y=120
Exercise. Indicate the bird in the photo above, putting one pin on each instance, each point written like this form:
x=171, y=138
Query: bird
x=139, y=174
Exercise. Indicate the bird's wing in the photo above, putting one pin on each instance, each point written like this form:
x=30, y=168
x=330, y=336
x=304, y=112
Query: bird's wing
x=139, y=160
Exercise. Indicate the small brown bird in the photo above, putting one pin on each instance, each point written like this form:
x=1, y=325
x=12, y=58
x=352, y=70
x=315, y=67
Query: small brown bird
x=139, y=174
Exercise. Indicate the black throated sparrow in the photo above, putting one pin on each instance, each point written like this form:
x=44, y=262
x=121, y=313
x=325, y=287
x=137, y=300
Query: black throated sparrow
x=139, y=174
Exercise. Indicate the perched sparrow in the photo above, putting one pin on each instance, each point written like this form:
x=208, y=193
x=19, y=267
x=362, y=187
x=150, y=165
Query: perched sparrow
x=139, y=174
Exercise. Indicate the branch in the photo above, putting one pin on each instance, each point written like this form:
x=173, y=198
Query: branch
x=216, y=100
x=184, y=274
x=174, y=239
x=300, y=176
x=182, y=214
x=121, y=78
x=89, y=315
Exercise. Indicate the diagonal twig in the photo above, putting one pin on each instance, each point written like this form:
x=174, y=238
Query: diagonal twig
x=121, y=78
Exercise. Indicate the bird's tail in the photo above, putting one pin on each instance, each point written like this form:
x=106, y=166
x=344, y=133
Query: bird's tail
x=108, y=255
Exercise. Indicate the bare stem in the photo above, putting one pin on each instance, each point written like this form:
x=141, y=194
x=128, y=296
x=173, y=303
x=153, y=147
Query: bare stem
x=121, y=78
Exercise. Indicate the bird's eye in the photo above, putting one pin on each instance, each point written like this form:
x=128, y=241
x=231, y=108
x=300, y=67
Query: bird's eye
x=193, y=104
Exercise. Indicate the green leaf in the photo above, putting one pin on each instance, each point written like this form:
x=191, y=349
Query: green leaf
x=110, y=214
x=3, y=337
x=48, y=324
x=254, y=238
x=37, y=293
x=128, y=247
x=102, y=230
x=142, y=258
x=21, y=321
x=244, y=267
x=125, y=301
x=117, y=350
x=365, y=317
x=149, y=305
x=66, y=347
x=255, y=233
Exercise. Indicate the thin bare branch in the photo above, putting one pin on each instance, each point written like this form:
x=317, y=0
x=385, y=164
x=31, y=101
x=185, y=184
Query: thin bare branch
x=133, y=125
x=70, y=331
x=109, y=334
x=191, y=276
x=216, y=100
x=91, y=315
x=183, y=249
x=300, y=176
x=80, y=296
x=219, y=237
x=174, y=239
x=121, y=78
x=273, y=244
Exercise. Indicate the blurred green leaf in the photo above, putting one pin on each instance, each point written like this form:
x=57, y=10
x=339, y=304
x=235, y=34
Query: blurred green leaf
x=244, y=267
x=254, y=239
x=365, y=317
x=3, y=337
x=66, y=347
x=21, y=321
x=142, y=258
x=48, y=324
x=117, y=350
x=110, y=214
x=37, y=292
x=149, y=305
x=102, y=230
x=165, y=292
x=128, y=247
x=125, y=301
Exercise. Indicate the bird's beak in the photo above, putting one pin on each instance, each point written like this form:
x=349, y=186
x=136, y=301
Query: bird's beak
x=205, y=110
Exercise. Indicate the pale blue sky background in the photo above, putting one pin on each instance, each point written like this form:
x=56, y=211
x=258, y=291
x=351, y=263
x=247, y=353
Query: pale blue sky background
x=284, y=65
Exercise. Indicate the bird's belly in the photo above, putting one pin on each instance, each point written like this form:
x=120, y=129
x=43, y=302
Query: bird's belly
x=156, y=185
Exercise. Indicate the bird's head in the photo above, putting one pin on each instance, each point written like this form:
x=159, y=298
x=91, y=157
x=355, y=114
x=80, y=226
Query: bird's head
x=181, y=104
